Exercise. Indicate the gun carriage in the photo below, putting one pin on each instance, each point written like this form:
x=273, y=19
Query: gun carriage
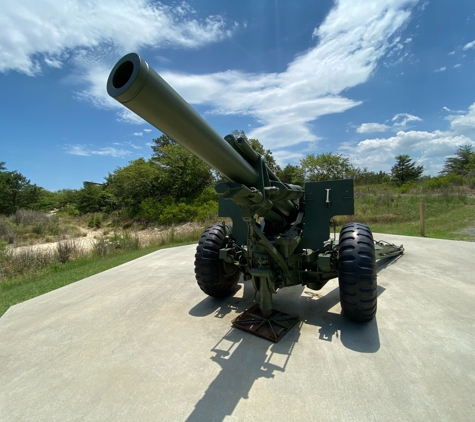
x=280, y=235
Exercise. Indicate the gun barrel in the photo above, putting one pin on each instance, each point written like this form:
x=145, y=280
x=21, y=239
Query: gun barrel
x=138, y=87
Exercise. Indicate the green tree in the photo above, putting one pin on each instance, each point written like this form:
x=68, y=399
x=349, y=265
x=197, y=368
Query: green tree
x=327, y=166
x=182, y=174
x=291, y=174
x=47, y=200
x=405, y=170
x=132, y=184
x=366, y=177
x=16, y=191
x=94, y=198
x=462, y=164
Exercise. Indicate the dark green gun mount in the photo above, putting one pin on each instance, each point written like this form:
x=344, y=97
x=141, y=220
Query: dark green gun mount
x=281, y=232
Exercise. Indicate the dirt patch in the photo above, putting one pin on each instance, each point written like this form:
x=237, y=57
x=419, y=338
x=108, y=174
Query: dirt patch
x=89, y=237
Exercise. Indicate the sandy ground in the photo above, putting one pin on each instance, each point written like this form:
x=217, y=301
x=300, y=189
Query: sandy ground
x=90, y=236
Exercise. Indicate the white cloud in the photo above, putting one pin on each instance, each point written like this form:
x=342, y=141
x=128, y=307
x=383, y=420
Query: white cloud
x=465, y=123
x=372, y=127
x=348, y=46
x=50, y=32
x=469, y=45
x=77, y=149
x=441, y=69
x=400, y=121
x=453, y=111
x=429, y=148
x=283, y=157
x=457, y=65
x=85, y=150
x=138, y=134
x=147, y=130
x=350, y=42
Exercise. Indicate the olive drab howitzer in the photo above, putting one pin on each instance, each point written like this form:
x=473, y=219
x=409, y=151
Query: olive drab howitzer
x=281, y=232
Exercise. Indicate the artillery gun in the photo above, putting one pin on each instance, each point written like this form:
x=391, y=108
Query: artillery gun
x=280, y=235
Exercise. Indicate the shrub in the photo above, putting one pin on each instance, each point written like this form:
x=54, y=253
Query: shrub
x=29, y=217
x=150, y=209
x=14, y=262
x=125, y=241
x=435, y=183
x=66, y=249
x=95, y=221
x=407, y=186
x=6, y=232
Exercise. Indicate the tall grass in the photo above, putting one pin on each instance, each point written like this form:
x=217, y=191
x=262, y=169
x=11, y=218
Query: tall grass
x=27, y=260
x=28, y=226
x=388, y=210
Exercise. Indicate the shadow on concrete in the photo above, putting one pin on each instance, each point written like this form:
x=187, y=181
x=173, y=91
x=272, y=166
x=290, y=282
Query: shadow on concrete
x=360, y=337
x=223, y=307
x=383, y=263
x=243, y=359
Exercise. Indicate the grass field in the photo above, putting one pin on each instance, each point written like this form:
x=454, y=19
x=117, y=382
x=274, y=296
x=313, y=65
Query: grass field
x=448, y=215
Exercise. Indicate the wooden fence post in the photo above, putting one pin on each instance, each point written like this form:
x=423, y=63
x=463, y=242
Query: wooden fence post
x=421, y=212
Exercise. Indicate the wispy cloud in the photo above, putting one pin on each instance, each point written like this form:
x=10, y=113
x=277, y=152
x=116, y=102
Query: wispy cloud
x=399, y=121
x=349, y=44
x=440, y=69
x=372, y=128
x=469, y=45
x=86, y=150
x=49, y=33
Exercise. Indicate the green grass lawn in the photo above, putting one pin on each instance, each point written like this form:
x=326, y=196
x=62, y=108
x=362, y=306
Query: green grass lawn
x=447, y=216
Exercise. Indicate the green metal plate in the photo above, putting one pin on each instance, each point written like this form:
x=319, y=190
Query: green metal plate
x=324, y=200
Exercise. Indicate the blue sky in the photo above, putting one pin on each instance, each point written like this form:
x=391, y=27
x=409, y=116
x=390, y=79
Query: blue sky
x=370, y=79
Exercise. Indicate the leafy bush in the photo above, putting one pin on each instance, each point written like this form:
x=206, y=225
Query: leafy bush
x=95, y=221
x=178, y=213
x=444, y=182
x=150, y=209
x=70, y=209
x=435, y=183
x=167, y=211
x=407, y=186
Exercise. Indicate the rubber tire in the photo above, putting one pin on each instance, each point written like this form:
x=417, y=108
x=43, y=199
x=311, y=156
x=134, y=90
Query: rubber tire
x=357, y=276
x=215, y=277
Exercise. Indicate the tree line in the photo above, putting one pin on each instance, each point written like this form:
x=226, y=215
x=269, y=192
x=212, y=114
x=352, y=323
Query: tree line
x=175, y=186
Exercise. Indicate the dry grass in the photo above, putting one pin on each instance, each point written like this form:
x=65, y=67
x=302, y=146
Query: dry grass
x=23, y=260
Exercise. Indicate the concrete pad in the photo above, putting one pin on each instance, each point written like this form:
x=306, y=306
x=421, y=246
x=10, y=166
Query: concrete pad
x=141, y=342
